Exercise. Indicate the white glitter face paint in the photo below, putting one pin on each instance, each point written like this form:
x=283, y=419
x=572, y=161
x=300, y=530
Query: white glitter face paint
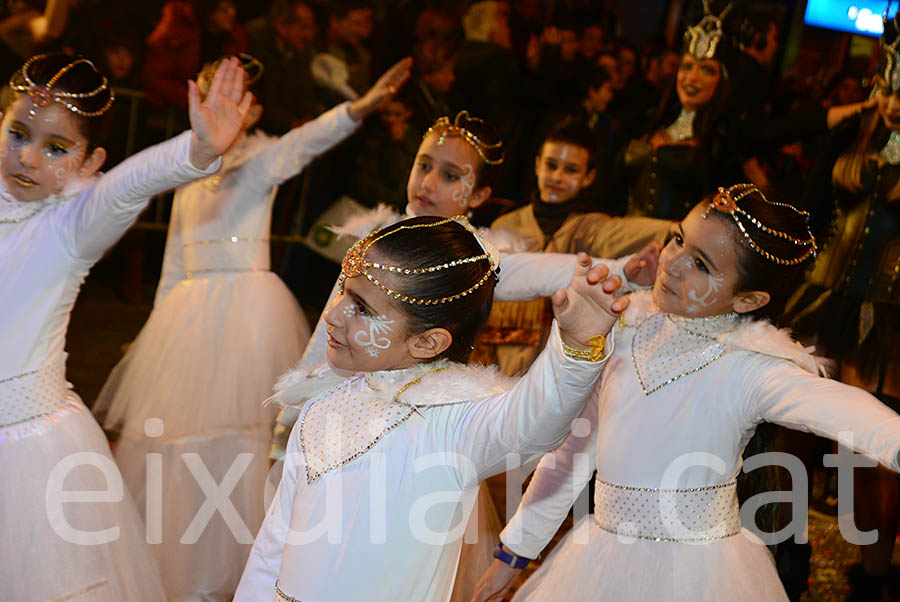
x=373, y=337
x=466, y=186
x=40, y=154
x=714, y=283
x=350, y=310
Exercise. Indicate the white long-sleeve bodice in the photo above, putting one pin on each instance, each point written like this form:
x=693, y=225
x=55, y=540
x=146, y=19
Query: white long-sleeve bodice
x=380, y=526
x=635, y=438
x=221, y=223
x=45, y=257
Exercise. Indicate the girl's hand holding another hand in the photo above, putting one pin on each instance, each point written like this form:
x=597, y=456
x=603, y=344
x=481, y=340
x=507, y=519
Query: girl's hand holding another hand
x=588, y=307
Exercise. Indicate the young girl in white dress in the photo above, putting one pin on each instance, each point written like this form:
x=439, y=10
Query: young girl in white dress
x=454, y=172
x=68, y=529
x=222, y=330
x=694, y=372
x=383, y=465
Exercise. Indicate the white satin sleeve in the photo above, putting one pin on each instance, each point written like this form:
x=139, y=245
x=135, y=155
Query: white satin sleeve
x=264, y=563
x=286, y=156
x=777, y=391
x=532, y=417
x=103, y=212
x=557, y=482
x=526, y=276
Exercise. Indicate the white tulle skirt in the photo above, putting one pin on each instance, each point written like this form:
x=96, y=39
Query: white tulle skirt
x=593, y=564
x=198, y=371
x=42, y=554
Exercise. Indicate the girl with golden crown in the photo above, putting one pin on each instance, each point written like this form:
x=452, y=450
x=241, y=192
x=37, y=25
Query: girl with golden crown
x=395, y=432
x=68, y=528
x=454, y=171
x=696, y=368
x=222, y=330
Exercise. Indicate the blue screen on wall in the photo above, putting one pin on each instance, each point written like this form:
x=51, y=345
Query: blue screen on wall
x=854, y=16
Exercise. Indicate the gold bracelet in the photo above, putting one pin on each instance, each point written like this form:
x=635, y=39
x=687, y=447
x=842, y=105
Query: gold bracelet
x=597, y=352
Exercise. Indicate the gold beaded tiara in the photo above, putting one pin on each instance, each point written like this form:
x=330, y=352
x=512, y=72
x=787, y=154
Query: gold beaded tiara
x=250, y=64
x=43, y=96
x=726, y=201
x=450, y=130
x=356, y=264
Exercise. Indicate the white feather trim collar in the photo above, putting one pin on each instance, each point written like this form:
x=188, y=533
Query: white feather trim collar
x=363, y=224
x=456, y=383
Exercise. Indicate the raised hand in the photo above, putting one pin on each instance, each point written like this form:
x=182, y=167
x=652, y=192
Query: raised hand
x=218, y=119
x=385, y=88
x=494, y=584
x=587, y=307
x=641, y=268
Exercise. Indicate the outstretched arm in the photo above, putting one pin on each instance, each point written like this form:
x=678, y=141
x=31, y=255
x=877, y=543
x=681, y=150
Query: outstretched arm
x=109, y=207
x=382, y=91
x=535, y=415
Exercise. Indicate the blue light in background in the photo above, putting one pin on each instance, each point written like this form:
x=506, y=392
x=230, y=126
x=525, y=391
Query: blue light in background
x=853, y=16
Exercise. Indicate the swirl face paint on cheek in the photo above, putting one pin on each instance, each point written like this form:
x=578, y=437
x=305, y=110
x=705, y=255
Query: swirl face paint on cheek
x=372, y=338
x=714, y=283
x=66, y=163
x=466, y=185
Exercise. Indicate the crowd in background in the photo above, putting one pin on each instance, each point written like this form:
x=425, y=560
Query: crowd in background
x=521, y=65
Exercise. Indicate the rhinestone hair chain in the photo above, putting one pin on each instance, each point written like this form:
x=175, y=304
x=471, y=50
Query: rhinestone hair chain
x=356, y=264
x=726, y=201
x=449, y=130
x=45, y=95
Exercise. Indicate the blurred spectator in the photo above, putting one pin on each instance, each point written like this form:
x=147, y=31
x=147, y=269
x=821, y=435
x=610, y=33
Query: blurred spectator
x=662, y=65
x=590, y=39
x=754, y=66
x=283, y=41
x=26, y=29
x=388, y=149
x=188, y=35
x=846, y=88
x=635, y=95
x=118, y=57
x=491, y=84
x=438, y=26
x=433, y=78
x=608, y=61
x=349, y=25
x=559, y=66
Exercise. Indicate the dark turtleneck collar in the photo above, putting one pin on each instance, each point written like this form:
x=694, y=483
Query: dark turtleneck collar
x=550, y=216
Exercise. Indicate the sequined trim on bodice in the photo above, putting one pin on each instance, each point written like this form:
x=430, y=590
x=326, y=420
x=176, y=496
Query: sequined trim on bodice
x=667, y=348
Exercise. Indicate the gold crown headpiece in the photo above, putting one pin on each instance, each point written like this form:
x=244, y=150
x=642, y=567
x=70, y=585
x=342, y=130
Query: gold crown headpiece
x=702, y=40
x=356, y=264
x=450, y=130
x=43, y=96
x=726, y=201
x=251, y=65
